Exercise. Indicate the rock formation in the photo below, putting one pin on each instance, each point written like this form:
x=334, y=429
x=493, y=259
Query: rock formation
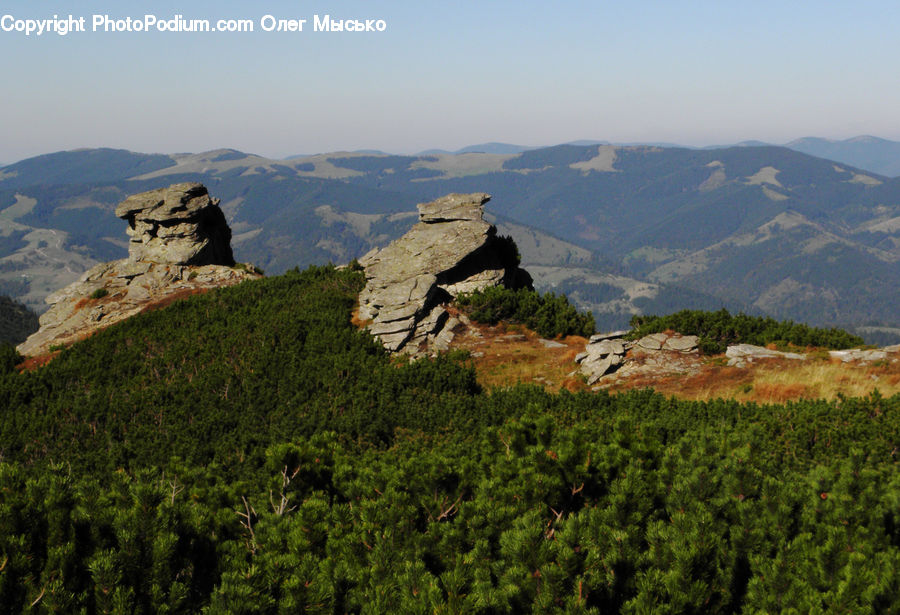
x=611, y=358
x=180, y=244
x=866, y=356
x=451, y=250
x=739, y=355
x=608, y=353
x=178, y=225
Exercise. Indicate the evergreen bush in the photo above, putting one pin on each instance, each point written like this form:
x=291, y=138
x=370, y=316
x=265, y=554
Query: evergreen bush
x=249, y=451
x=717, y=330
x=549, y=314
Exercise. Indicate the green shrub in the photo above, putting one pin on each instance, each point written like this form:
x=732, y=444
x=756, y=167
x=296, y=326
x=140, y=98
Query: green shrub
x=508, y=251
x=250, y=451
x=99, y=293
x=9, y=358
x=718, y=330
x=548, y=314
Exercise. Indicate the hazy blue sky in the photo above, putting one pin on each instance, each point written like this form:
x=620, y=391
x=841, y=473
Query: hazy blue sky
x=450, y=74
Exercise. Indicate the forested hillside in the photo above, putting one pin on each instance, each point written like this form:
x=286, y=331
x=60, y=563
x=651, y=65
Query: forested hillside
x=250, y=451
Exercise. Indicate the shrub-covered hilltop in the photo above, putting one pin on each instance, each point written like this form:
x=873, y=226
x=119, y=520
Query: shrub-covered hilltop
x=250, y=451
x=717, y=330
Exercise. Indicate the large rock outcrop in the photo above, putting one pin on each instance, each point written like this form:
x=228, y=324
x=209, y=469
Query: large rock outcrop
x=178, y=225
x=451, y=250
x=180, y=245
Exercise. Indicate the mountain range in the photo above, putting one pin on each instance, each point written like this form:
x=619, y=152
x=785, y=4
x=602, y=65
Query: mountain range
x=866, y=152
x=873, y=154
x=620, y=229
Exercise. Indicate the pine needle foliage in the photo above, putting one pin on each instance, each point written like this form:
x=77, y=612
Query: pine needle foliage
x=549, y=314
x=717, y=330
x=250, y=451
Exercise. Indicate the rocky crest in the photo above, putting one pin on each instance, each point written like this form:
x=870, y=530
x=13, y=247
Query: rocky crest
x=451, y=250
x=178, y=225
x=180, y=245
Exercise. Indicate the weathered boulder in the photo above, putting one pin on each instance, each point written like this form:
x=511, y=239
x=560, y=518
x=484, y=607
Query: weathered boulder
x=654, y=341
x=599, y=337
x=604, y=353
x=180, y=245
x=178, y=225
x=451, y=250
x=681, y=343
x=608, y=353
x=741, y=354
x=865, y=356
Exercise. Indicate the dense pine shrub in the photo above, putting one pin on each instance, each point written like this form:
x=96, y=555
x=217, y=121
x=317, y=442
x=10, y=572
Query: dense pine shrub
x=9, y=358
x=717, y=330
x=548, y=314
x=250, y=451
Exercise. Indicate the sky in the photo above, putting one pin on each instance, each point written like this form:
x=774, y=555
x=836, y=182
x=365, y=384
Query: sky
x=450, y=74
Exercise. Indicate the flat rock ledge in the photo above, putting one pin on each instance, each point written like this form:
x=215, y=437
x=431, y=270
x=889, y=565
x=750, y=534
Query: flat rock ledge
x=888, y=353
x=739, y=355
x=76, y=312
x=610, y=353
x=180, y=245
x=451, y=250
x=609, y=357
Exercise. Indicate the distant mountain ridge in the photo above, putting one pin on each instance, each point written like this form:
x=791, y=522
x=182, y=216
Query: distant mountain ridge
x=869, y=153
x=866, y=152
x=621, y=229
x=874, y=154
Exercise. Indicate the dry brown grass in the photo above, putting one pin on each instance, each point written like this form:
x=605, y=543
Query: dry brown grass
x=507, y=362
x=172, y=298
x=777, y=381
x=32, y=363
x=501, y=361
x=357, y=321
x=827, y=379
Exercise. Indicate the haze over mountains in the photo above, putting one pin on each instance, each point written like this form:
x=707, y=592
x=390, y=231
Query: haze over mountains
x=865, y=152
x=620, y=229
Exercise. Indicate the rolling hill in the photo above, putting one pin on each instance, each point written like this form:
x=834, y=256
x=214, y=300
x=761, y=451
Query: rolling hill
x=866, y=152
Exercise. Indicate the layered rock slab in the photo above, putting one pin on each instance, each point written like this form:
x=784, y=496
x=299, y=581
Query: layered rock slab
x=180, y=245
x=178, y=225
x=451, y=250
x=610, y=353
x=739, y=355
